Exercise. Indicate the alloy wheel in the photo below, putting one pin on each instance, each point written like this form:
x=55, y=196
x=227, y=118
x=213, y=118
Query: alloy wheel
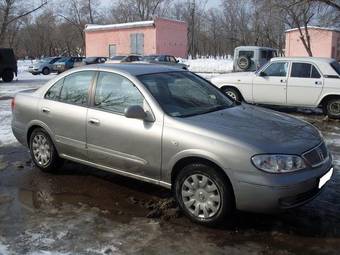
x=41, y=150
x=201, y=196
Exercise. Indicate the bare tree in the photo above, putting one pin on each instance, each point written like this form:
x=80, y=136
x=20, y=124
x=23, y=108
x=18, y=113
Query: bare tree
x=13, y=10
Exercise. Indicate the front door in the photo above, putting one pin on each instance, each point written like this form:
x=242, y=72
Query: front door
x=270, y=85
x=64, y=111
x=114, y=141
x=304, y=85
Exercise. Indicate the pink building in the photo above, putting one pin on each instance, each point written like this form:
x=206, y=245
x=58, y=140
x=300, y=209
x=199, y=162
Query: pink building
x=158, y=36
x=325, y=42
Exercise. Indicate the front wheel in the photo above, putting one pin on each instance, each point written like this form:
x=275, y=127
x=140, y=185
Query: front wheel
x=232, y=93
x=203, y=194
x=332, y=108
x=43, y=152
x=46, y=71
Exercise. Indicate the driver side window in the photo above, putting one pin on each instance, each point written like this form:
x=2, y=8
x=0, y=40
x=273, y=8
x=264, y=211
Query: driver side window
x=278, y=69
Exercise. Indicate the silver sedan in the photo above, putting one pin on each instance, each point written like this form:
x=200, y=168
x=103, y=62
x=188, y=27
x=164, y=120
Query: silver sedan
x=173, y=128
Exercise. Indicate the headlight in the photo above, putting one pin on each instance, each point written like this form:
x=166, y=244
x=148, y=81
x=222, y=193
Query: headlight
x=278, y=163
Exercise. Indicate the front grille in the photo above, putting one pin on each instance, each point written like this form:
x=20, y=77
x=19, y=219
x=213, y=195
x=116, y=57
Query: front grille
x=317, y=155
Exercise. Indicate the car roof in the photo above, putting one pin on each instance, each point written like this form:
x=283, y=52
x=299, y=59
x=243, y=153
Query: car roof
x=134, y=69
x=313, y=59
x=253, y=48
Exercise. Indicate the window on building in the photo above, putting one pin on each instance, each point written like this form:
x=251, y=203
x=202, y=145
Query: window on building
x=137, y=43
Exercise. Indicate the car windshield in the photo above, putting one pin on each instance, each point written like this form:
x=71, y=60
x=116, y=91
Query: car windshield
x=149, y=58
x=183, y=94
x=118, y=57
x=336, y=66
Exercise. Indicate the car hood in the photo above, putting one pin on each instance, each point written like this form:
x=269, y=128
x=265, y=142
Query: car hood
x=265, y=130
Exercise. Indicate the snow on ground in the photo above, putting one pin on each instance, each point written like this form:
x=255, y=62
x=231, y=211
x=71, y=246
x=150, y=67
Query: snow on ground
x=23, y=81
x=209, y=65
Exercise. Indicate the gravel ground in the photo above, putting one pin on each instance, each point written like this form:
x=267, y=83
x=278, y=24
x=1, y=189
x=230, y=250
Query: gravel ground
x=82, y=210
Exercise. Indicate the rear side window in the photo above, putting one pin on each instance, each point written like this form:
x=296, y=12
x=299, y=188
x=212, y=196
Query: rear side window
x=246, y=53
x=115, y=93
x=75, y=89
x=336, y=66
x=304, y=70
x=54, y=92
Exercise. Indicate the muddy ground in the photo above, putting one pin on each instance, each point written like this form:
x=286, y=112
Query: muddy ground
x=82, y=210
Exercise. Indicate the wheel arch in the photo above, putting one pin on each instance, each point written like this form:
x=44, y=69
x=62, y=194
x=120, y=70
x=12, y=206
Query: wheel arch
x=223, y=87
x=34, y=125
x=326, y=98
x=181, y=163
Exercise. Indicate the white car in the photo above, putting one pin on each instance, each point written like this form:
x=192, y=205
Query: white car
x=294, y=81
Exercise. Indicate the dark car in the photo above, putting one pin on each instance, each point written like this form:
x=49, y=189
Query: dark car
x=124, y=59
x=8, y=65
x=94, y=60
x=67, y=63
x=164, y=60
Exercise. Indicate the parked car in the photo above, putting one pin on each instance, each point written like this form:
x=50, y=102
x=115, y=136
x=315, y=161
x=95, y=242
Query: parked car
x=67, y=63
x=164, y=60
x=95, y=60
x=44, y=66
x=8, y=64
x=170, y=127
x=251, y=58
x=124, y=59
x=304, y=81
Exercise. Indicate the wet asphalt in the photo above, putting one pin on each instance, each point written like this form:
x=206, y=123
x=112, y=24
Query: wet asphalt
x=82, y=210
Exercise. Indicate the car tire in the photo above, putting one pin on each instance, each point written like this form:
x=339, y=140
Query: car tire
x=332, y=108
x=232, y=93
x=7, y=75
x=46, y=71
x=204, y=194
x=43, y=152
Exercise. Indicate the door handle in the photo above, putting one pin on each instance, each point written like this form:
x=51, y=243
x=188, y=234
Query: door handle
x=283, y=81
x=318, y=83
x=45, y=110
x=94, y=121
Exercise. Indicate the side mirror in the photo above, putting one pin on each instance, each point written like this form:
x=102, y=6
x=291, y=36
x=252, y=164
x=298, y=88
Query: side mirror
x=177, y=60
x=262, y=74
x=135, y=112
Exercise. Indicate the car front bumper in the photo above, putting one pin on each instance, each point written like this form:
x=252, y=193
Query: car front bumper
x=34, y=70
x=303, y=187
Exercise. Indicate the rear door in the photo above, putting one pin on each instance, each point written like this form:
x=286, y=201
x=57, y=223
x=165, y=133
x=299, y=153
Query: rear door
x=270, y=85
x=304, y=84
x=114, y=141
x=64, y=110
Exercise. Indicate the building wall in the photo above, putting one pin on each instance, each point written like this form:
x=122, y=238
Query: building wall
x=97, y=42
x=171, y=37
x=322, y=42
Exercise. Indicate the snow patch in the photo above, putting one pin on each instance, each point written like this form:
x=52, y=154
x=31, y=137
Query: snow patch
x=3, y=249
x=209, y=65
x=6, y=135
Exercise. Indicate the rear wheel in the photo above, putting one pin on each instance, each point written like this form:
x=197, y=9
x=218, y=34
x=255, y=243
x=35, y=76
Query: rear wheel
x=332, y=108
x=46, y=71
x=43, y=152
x=232, y=93
x=203, y=194
x=7, y=75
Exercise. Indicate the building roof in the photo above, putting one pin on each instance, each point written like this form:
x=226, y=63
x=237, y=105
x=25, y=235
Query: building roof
x=315, y=27
x=137, y=24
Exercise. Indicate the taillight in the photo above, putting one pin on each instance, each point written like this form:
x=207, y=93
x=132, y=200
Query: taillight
x=13, y=103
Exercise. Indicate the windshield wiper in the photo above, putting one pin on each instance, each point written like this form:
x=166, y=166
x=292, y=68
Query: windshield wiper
x=213, y=109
